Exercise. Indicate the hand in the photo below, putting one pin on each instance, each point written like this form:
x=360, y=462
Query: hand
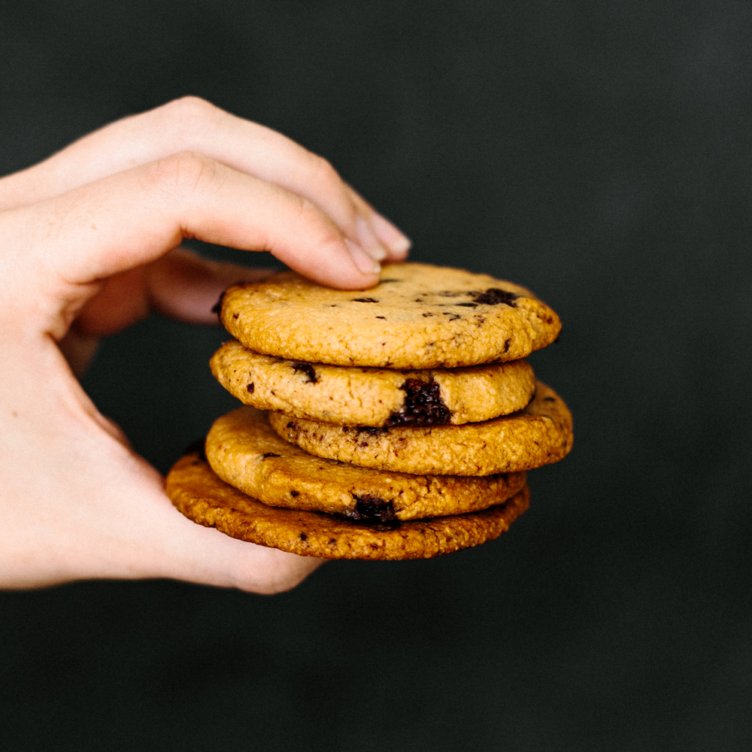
x=91, y=245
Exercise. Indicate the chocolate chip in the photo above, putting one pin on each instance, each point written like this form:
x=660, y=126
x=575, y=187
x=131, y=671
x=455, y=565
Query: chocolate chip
x=452, y=316
x=365, y=300
x=494, y=296
x=381, y=317
x=294, y=493
x=249, y=388
x=308, y=370
x=507, y=343
x=303, y=537
x=270, y=454
x=426, y=315
x=423, y=405
x=467, y=305
x=370, y=508
x=371, y=430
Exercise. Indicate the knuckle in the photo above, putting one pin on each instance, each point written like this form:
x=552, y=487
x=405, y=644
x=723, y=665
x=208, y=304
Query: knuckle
x=180, y=120
x=324, y=174
x=189, y=110
x=180, y=173
x=333, y=191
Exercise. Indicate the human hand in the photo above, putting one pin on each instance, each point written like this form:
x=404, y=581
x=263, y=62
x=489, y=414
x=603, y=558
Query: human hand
x=91, y=244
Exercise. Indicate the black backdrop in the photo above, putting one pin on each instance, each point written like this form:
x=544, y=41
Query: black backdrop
x=597, y=152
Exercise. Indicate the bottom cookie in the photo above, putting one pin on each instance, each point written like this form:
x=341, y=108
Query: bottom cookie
x=202, y=497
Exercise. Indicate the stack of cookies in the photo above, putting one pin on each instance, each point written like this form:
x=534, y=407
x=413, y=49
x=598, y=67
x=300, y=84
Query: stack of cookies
x=393, y=423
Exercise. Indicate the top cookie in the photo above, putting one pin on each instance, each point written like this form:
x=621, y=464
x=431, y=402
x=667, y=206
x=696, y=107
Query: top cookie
x=418, y=316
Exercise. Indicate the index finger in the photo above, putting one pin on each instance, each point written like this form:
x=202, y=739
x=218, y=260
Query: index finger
x=192, y=124
x=134, y=217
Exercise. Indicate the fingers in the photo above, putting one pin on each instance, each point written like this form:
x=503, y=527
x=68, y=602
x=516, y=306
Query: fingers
x=134, y=217
x=151, y=538
x=181, y=285
x=186, y=287
x=99, y=511
x=191, y=124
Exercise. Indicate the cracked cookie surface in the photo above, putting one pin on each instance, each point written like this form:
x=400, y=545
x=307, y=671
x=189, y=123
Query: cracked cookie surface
x=419, y=316
x=373, y=396
x=201, y=496
x=246, y=453
x=538, y=435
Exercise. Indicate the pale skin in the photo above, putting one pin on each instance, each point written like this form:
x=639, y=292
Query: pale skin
x=90, y=245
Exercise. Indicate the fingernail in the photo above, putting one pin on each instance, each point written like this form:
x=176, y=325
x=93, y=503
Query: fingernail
x=395, y=240
x=363, y=261
x=368, y=240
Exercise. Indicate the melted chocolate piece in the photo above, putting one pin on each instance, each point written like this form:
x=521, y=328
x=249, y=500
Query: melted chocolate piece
x=250, y=387
x=365, y=300
x=494, y=296
x=307, y=369
x=270, y=454
x=372, y=509
x=423, y=406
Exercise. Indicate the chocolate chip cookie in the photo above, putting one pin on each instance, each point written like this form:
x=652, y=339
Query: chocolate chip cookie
x=202, y=497
x=373, y=396
x=536, y=436
x=246, y=453
x=419, y=316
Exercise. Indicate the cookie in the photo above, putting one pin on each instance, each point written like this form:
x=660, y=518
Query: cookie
x=419, y=316
x=373, y=396
x=246, y=453
x=202, y=497
x=538, y=435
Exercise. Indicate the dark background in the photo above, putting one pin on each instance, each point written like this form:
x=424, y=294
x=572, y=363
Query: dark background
x=597, y=152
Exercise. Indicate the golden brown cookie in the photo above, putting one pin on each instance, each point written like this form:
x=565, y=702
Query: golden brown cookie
x=538, y=435
x=202, y=497
x=245, y=452
x=419, y=316
x=373, y=396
